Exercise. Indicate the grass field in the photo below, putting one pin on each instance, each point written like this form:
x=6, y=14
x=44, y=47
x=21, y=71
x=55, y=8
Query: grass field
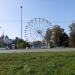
x=40, y=63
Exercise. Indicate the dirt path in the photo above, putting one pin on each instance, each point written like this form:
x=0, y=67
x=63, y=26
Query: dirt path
x=37, y=50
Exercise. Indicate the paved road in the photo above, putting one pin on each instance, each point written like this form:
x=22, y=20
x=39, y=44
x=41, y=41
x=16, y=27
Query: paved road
x=37, y=50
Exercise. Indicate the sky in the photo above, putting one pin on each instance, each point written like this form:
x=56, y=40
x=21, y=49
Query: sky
x=61, y=12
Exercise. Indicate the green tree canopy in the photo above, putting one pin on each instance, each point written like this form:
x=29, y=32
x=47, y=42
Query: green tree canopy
x=20, y=43
x=58, y=35
x=72, y=35
x=48, y=35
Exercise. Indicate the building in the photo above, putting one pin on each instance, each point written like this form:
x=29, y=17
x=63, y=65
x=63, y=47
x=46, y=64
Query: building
x=7, y=40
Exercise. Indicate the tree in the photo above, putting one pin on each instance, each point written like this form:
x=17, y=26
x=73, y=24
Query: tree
x=57, y=37
x=72, y=35
x=48, y=38
x=48, y=35
x=20, y=43
x=58, y=34
x=64, y=40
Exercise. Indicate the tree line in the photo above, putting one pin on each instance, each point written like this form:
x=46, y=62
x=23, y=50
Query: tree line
x=57, y=37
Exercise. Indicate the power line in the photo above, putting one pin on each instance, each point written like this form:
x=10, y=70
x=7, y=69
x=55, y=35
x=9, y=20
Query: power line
x=29, y=20
x=14, y=20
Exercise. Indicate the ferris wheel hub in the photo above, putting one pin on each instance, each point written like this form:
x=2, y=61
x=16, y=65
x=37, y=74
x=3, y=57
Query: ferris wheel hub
x=39, y=31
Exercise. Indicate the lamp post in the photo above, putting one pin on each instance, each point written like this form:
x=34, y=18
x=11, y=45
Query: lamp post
x=21, y=21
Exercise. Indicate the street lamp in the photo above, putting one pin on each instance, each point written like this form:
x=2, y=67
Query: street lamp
x=21, y=21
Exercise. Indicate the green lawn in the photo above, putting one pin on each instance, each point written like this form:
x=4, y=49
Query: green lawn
x=40, y=63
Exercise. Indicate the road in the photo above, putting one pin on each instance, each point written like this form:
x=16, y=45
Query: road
x=37, y=50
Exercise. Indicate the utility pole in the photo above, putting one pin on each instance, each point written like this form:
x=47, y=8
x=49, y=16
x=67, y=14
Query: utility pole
x=21, y=21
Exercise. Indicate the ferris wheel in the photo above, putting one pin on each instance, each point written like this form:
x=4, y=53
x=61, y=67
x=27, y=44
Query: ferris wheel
x=35, y=30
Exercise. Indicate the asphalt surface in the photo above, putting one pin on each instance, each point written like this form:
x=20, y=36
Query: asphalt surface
x=36, y=50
